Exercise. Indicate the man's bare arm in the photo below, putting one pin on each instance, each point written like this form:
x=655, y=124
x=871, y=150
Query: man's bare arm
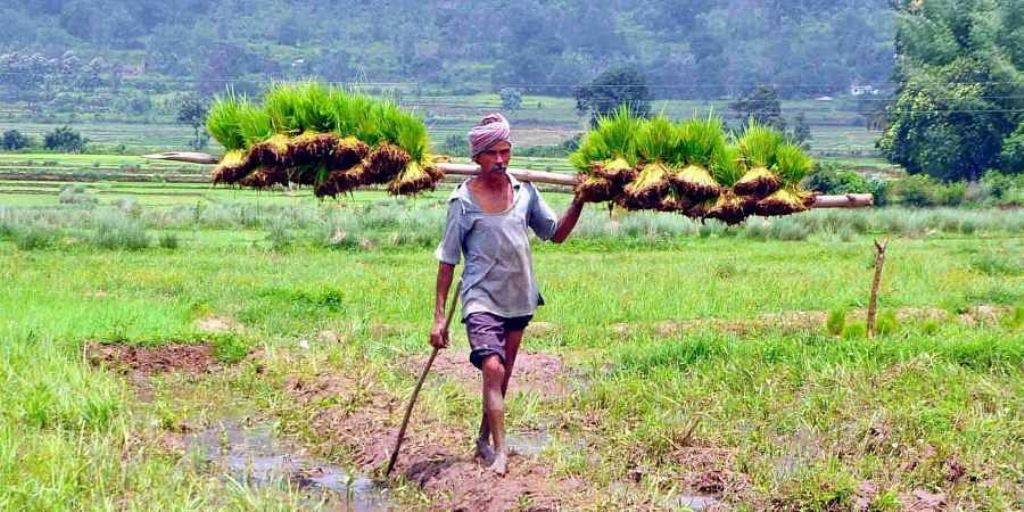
x=439, y=332
x=568, y=221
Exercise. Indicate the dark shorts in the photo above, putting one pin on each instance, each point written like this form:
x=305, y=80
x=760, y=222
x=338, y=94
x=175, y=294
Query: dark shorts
x=488, y=333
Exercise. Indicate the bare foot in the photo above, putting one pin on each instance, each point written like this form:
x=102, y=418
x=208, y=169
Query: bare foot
x=484, y=450
x=500, y=464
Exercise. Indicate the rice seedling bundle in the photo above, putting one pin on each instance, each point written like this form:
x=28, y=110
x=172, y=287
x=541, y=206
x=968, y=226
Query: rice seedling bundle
x=656, y=145
x=607, y=157
x=321, y=136
x=693, y=167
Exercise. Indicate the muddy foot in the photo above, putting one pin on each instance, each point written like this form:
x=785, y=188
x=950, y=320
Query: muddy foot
x=500, y=464
x=484, y=451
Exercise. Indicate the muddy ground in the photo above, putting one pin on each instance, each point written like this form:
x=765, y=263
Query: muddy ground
x=435, y=456
x=189, y=358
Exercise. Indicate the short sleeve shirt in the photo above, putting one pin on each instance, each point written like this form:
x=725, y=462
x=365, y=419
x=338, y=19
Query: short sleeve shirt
x=498, y=276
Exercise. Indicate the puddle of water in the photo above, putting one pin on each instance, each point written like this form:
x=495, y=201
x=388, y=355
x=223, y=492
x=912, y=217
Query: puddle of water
x=697, y=503
x=528, y=444
x=253, y=455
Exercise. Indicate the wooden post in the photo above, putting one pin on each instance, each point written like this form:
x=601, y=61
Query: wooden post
x=875, y=283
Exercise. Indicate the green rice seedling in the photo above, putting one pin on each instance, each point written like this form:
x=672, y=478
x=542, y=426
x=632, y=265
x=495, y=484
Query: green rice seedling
x=727, y=207
x=699, y=141
x=224, y=121
x=387, y=129
x=758, y=146
x=836, y=322
x=607, y=157
x=656, y=141
x=282, y=103
x=793, y=165
x=255, y=124
x=409, y=134
x=313, y=110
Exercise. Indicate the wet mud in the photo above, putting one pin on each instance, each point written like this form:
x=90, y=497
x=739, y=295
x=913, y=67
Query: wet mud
x=434, y=456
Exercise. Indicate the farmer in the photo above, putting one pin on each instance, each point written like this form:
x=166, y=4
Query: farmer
x=488, y=216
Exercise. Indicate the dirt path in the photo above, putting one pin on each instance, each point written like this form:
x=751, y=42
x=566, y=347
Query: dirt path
x=434, y=455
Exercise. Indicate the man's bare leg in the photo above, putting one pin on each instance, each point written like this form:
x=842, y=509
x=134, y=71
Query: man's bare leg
x=483, y=441
x=494, y=409
x=483, y=448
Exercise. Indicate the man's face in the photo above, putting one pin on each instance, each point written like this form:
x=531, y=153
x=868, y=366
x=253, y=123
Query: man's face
x=495, y=158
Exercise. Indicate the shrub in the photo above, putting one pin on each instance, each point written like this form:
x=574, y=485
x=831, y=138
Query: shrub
x=917, y=190
x=830, y=179
x=14, y=140
x=65, y=139
x=1005, y=189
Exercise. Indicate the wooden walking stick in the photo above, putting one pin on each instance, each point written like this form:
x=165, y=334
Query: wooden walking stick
x=416, y=390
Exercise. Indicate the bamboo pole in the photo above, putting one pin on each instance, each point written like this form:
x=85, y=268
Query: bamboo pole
x=550, y=178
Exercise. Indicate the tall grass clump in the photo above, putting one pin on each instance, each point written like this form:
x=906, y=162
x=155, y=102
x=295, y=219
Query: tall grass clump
x=168, y=240
x=32, y=236
x=836, y=321
x=118, y=231
x=75, y=194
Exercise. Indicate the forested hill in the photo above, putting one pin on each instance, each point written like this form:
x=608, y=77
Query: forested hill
x=687, y=48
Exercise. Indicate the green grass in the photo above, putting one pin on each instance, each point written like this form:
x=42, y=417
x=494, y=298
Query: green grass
x=760, y=394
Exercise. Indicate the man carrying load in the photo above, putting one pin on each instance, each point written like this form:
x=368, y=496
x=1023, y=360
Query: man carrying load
x=488, y=217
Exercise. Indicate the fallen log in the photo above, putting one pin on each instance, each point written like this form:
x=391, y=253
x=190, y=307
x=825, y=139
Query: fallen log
x=550, y=178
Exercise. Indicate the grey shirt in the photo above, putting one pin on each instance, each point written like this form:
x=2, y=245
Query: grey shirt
x=498, y=276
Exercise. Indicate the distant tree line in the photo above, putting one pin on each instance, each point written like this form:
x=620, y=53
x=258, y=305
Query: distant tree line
x=685, y=48
x=62, y=139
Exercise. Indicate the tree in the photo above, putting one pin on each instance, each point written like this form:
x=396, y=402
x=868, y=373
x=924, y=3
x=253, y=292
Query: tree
x=65, y=139
x=618, y=86
x=761, y=104
x=193, y=113
x=1011, y=160
x=511, y=99
x=959, y=86
x=14, y=140
x=801, y=130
